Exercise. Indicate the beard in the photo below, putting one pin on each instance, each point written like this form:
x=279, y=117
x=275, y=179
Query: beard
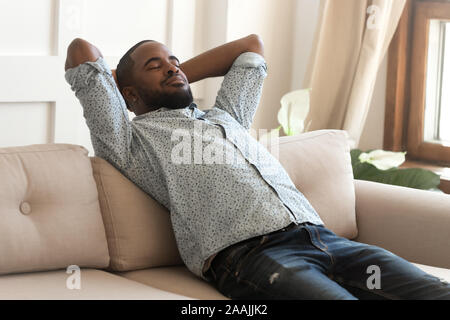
x=175, y=100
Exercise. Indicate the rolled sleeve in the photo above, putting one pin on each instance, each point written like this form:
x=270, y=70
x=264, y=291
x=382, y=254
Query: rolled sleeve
x=241, y=88
x=104, y=110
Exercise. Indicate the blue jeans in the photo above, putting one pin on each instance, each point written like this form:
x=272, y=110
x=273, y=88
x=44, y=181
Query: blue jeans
x=311, y=262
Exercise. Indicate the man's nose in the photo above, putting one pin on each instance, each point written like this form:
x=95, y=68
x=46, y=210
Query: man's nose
x=172, y=69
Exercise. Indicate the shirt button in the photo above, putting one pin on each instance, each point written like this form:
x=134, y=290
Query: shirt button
x=25, y=208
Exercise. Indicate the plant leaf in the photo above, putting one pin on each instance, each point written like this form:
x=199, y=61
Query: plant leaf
x=417, y=178
x=354, y=154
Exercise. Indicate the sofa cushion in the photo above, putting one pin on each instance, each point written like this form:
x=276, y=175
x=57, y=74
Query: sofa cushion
x=441, y=273
x=176, y=279
x=320, y=166
x=179, y=280
x=49, y=210
x=138, y=228
x=93, y=285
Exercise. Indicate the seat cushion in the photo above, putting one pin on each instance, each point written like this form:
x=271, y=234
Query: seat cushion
x=320, y=166
x=179, y=280
x=443, y=274
x=49, y=211
x=176, y=279
x=94, y=285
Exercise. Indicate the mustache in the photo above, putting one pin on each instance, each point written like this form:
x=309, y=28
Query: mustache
x=172, y=76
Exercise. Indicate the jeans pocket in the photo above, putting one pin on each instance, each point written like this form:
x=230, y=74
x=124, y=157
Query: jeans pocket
x=223, y=264
x=232, y=256
x=252, y=249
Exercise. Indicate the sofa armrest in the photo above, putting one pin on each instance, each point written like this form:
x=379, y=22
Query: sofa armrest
x=412, y=223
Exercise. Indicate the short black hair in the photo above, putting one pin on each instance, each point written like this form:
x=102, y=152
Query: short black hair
x=124, y=68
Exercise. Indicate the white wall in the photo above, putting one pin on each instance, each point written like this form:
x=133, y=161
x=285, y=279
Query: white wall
x=211, y=31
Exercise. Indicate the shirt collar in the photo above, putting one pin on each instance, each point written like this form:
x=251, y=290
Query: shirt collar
x=192, y=106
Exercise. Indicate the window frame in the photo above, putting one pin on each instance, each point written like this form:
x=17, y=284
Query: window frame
x=406, y=85
x=416, y=146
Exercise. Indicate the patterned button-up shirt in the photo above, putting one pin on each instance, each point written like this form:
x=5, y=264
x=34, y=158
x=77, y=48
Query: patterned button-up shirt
x=219, y=184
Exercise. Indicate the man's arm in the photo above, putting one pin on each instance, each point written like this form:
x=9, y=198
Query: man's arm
x=81, y=51
x=103, y=106
x=217, y=62
x=243, y=65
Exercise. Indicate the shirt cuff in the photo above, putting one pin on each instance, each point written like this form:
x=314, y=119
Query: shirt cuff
x=250, y=60
x=84, y=70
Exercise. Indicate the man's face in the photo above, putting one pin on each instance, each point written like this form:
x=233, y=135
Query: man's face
x=158, y=79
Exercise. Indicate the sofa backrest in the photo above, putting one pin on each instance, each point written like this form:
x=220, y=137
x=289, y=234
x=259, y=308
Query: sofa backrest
x=138, y=229
x=49, y=212
x=320, y=165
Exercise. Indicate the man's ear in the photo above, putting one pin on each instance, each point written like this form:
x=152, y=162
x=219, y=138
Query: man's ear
x=113, y=71
x=131, y=97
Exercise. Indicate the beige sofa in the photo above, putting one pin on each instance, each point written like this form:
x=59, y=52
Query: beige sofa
x=61, y=208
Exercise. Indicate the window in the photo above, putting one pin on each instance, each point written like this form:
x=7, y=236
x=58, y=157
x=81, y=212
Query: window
x=437, y=90
x=417, y=116
x=428, y=109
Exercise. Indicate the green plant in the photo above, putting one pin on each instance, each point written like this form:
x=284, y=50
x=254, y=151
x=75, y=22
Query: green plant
x=382, y=166
x=373, y=165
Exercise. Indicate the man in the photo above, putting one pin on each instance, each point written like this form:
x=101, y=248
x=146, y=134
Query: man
x=238, y=225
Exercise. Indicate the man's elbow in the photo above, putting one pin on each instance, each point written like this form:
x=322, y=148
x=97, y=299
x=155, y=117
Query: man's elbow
x=79, y=52
x=256, y=44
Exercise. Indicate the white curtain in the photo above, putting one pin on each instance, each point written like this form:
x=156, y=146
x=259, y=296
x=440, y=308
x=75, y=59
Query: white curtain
x=351, y=41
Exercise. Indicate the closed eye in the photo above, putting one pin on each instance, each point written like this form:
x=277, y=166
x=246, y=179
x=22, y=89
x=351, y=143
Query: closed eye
x=150, y=62
x=175, y=59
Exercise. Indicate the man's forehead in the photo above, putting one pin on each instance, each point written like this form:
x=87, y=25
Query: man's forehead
x=149, y=50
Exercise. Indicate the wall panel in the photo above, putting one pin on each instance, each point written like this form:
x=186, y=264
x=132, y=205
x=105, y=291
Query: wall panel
x=26, y=27
x=24, y=123
x=115, y=26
